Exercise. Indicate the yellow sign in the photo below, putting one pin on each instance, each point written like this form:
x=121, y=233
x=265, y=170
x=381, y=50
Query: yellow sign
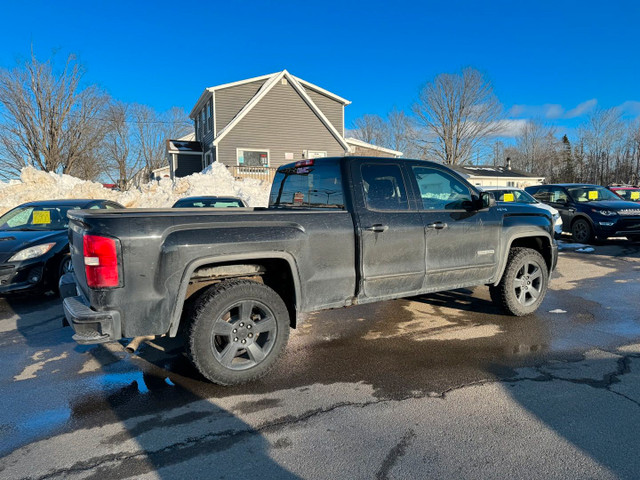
x=635, y=195
x=593, y=194
x=508, y=197
x=42, y=217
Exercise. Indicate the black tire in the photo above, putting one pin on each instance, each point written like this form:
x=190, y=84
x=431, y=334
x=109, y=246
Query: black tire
x=65, y=266
x=223, y=343
x=582, y=231
x=524, y=283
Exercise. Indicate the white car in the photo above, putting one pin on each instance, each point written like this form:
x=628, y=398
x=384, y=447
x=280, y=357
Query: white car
x=517, y=195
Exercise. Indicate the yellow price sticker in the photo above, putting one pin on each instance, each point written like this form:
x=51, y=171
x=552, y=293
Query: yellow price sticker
x=42, y=217
x=635, y=195
x=593, y=194
x=508, y=197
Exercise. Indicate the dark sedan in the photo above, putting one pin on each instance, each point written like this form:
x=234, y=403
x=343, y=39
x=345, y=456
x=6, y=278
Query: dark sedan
x=34, y=246
x=590, y=211
x=209, y=202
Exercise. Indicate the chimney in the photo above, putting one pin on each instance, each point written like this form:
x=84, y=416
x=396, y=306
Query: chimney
x=508, y=163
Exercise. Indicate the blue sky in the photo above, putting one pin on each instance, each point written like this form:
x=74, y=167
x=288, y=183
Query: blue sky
x=551, y=60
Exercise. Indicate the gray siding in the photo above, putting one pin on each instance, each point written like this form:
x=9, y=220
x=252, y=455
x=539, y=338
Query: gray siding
x=203, y=134
x=229, y=101
x=334, y=111
x=281, y=122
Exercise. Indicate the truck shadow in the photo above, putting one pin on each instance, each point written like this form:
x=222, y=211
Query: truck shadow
x=174, y=431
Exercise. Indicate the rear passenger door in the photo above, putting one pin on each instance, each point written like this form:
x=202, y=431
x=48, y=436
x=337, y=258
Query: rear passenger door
x=390, y=230
x=462, y=241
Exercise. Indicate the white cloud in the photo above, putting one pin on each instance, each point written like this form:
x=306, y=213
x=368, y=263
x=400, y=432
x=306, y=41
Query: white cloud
x=581, y=109
x=630, y=107
x=509, y=128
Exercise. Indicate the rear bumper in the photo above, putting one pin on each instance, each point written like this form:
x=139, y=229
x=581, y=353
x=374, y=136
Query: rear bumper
x=90, y=326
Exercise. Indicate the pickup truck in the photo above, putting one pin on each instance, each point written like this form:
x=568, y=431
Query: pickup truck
x=337, y=232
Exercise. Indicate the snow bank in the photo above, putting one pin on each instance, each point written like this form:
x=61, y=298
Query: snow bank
x=215, y=180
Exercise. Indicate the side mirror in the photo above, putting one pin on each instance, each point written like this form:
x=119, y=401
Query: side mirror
x=487, y=200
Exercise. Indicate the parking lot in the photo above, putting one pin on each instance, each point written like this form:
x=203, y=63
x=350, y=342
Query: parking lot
x=440, y=386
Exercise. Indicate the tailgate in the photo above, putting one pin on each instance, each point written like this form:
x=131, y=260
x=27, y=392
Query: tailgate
x=76, y=232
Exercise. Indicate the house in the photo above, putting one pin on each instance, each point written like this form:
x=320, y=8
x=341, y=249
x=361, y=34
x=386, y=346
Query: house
x=256, y=125
x=488, y=175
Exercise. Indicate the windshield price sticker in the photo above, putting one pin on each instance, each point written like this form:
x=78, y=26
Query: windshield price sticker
x=43, y=217
x=635, y=195
x=508, y=197
x=593, y=194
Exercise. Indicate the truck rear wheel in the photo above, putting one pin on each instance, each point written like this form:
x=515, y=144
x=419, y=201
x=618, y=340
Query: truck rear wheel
x=239, y=329
x=524, y=283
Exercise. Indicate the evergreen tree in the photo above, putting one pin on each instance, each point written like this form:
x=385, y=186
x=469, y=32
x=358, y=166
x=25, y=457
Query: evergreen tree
x=568, y=172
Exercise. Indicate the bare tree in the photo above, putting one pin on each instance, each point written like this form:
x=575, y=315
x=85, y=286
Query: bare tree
x=122, y=160
x=603, y=135
x=47, y=120
x=370, y=129
x=458, y=112
x=537, y=150
x=153, y=129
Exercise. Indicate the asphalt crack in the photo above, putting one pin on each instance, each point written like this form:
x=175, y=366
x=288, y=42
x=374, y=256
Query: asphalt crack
x=144, y=461
x=394, y=455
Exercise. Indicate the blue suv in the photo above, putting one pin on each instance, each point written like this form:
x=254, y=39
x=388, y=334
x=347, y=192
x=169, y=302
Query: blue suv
x=590, y=211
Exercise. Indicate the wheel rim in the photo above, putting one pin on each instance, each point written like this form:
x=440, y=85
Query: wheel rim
x=243, y=336
x=527, y=284
x=581, y=231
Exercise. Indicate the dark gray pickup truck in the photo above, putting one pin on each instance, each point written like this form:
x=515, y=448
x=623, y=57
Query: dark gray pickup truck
x=337, y=232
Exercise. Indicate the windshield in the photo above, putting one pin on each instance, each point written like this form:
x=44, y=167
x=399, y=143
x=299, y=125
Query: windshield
x=209, y=203
x=632, y=194
x=37, y=218
x=519, y=196
x=592, y=193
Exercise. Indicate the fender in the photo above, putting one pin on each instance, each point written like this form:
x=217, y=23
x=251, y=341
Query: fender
x=193, y=265
x=529, y=233
x=583, y=216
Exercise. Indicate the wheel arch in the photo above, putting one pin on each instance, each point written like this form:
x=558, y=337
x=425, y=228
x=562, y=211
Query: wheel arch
x=289, y=289
x=540, y=243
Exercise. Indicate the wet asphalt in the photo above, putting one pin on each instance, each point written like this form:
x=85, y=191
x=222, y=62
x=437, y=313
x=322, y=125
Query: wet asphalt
x=439, y=385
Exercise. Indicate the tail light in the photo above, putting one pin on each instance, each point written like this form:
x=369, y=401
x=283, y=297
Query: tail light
x=101, y=261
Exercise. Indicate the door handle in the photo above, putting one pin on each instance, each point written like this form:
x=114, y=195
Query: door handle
x=437, y=225
x=378, y=228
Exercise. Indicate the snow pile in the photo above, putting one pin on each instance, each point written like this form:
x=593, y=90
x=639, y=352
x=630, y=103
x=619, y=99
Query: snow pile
x=215, y=180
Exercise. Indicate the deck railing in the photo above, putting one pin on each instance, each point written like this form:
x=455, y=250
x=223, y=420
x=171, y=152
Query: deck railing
x=258, y=173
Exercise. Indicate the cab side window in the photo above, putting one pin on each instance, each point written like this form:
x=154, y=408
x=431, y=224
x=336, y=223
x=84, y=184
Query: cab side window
x=542, y=195
x=384, y=187
x=441, y=191
x=558, y=195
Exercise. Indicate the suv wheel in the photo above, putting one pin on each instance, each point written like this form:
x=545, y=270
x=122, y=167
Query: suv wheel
x=239, y=329
x=582, y=231
x=524, y=283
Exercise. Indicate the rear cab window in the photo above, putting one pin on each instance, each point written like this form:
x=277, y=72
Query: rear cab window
x=308, y=184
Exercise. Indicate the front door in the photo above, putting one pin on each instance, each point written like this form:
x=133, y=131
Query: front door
x=462, y=242
x=391, y=231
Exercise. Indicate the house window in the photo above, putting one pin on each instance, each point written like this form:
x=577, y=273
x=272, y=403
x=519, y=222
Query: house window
x=210, y=115
x=252, y=157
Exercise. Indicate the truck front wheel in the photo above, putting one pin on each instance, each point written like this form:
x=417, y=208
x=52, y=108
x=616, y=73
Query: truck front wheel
x=239, y=329
x=524, y=283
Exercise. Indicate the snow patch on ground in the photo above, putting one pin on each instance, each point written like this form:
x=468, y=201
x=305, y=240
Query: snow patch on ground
x=214, y=180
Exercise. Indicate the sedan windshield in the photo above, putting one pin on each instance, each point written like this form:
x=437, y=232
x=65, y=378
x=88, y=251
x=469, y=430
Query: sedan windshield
x=632, y=194
x=209, y=203
x=592, y=193
x=506, y=195
x=36, y=218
